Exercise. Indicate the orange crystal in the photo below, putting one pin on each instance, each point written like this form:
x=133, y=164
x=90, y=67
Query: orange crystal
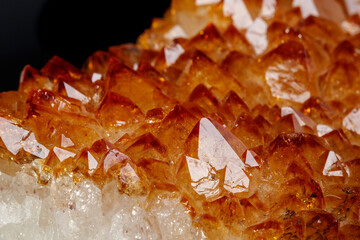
x=249, y=110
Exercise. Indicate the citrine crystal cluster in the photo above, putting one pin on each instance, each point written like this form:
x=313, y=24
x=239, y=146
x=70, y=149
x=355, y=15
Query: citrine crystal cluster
x=233, y=119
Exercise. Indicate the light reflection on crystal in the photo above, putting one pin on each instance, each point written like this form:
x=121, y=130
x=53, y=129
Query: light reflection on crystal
x=308, y=7
x=113, y=157
x=172, y=53
x=73, y=93
x=323, y=129
x=96, y=77
x=268, y=9
x=135, y=66
x=66, y=142
x=302, y=119
x=332, y=165
x=12, y=136
x=320, y=8
x=351, y=121
x=31, y=145
x=213, y=147
x=63, y=154
x=352, y=6
x=119, y=123
x=175, y=32
x=216, y=154
x=250, y=160
x=256, y=34
x=128, y=174
x=239, y=13
x=279, y=78
x=203, y=178
x=350, y=27
x=16, y=138
x=236, y=180
x=288, y=110
x=205, y=2
x=92, y=163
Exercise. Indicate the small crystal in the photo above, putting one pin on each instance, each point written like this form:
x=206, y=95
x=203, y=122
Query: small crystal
x=63, y=154
x=256, y=35
x=350, y=121
x=172, y=53
x=175, y=32
x=96, y=77
x=66, y=142
x=238, y=12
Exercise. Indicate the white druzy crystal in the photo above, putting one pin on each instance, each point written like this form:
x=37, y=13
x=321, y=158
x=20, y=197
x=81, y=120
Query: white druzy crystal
x=64, y=210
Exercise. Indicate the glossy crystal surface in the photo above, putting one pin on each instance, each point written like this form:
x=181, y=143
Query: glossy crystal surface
x=246, y=111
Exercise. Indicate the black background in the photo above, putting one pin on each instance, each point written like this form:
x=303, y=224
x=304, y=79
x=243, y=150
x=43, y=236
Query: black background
x=32, y=31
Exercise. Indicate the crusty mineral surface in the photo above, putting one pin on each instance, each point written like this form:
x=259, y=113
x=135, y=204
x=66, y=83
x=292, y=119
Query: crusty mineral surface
x=233, y=119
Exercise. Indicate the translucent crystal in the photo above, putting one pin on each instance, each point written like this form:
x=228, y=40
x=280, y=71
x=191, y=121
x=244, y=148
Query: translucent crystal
x=231, y=119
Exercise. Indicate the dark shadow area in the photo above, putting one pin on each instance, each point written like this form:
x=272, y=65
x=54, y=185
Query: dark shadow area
x=31, y=32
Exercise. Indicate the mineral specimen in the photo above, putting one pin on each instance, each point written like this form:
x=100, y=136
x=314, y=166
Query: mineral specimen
x=229, y=119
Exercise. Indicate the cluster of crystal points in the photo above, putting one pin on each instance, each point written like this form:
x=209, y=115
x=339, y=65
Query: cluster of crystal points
x=243, y=114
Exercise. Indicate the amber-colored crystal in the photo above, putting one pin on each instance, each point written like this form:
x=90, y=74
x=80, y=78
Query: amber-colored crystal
x=249, y=110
